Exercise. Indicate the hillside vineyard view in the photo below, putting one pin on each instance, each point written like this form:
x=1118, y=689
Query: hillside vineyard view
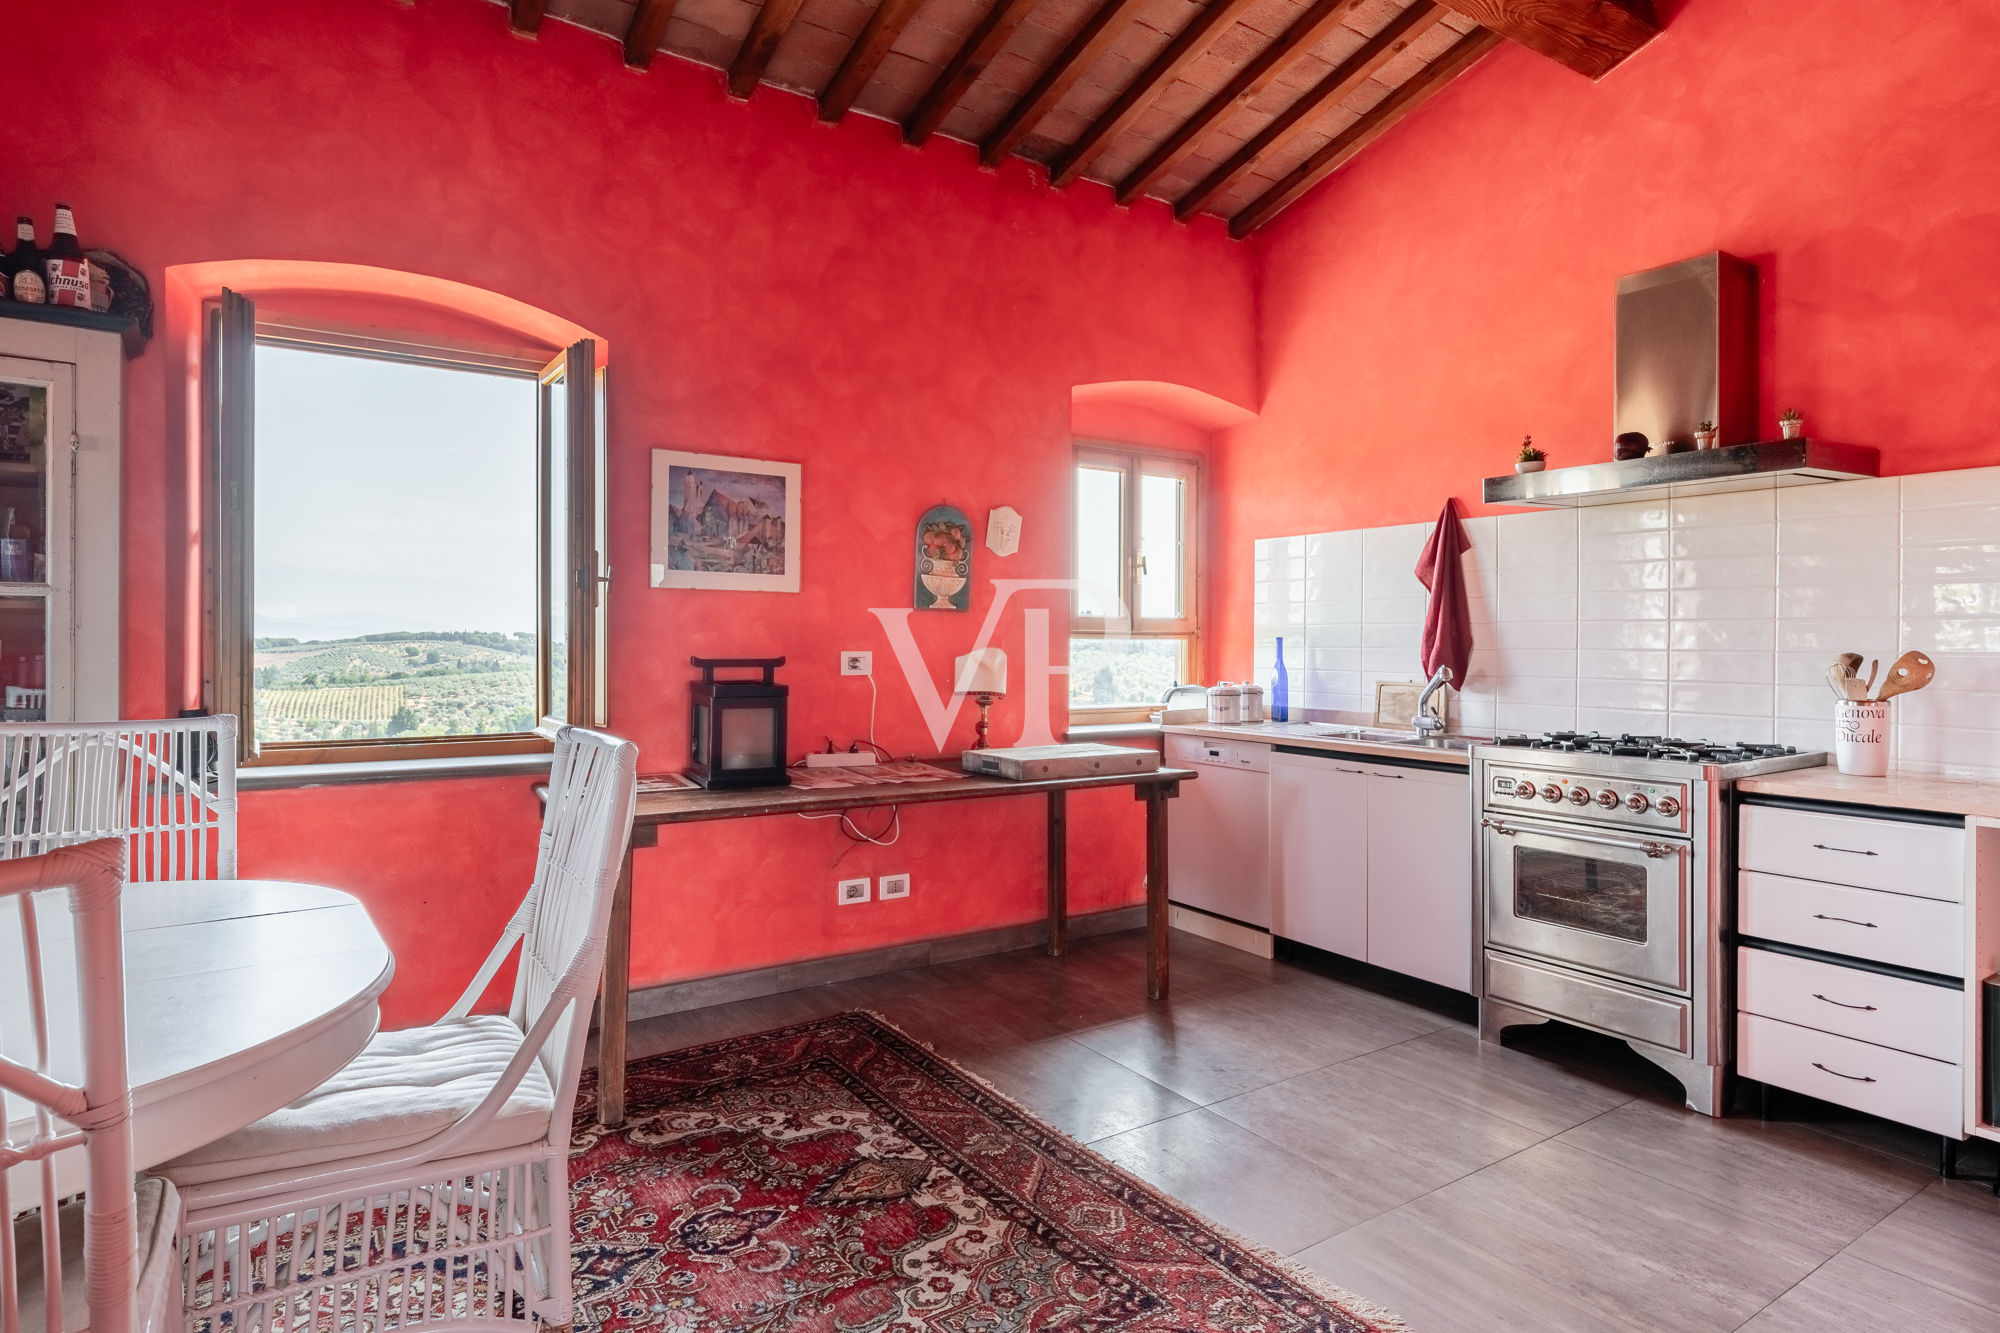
x=396, y=553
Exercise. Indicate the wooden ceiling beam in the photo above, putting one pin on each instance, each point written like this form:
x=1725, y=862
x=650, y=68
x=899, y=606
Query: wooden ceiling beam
x=525, y=16
x=1252, y=79
x=1365, y=131
x=643, y=33
x=964, y=68
x=863, y=58
x=773, y=21
x=1097, y=33
x=1188, y=46
x=1591, y=37
x=1297, y=118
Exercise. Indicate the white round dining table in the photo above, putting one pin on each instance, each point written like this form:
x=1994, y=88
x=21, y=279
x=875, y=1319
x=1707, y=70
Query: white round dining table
x=240, y=996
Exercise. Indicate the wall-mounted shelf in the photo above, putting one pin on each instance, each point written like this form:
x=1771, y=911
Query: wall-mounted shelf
x=1737, y=467
x=125, y=326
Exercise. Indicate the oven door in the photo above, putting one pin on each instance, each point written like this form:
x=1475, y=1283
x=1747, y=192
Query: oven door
x=1612, y=903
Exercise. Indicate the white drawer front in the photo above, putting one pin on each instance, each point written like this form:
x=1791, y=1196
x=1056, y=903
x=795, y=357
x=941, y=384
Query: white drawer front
x=1888, y=1011
x=1892, y=1084
x=1921, y=859
x=1922, y=933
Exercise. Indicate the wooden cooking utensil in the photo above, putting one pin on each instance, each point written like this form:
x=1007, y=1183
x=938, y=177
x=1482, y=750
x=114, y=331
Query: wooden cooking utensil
x=1911, y=671
x=1868, y=687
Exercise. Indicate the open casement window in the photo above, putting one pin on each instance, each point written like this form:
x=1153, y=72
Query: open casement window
x=1134, y=621
x=403, y=553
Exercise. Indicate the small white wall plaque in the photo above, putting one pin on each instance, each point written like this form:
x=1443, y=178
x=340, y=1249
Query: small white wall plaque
x=1003, y=530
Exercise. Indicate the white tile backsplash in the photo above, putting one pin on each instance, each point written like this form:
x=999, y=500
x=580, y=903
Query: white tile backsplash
x=1709, y=615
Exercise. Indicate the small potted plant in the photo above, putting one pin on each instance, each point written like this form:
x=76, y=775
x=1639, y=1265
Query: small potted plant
x=1530, y=459
x=1792, y=424
x=1704, y=435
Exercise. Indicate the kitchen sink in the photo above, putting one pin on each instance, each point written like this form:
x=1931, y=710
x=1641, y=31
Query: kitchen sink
x=1393, y=736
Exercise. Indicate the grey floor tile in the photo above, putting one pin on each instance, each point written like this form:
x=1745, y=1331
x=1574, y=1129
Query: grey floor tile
x=1439, y=1284
x=1245, y=1183
x=1831, y=1191
x=1544, y=1094
x=1385, y=1140
x=1637, y=1249
x=1226, y=1047
x=1849, y=1295
x=1947, y=1237
x=1084, y=1094
x=1337, y=1100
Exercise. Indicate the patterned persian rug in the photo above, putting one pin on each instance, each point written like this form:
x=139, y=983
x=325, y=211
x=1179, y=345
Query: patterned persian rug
x=840, y=1177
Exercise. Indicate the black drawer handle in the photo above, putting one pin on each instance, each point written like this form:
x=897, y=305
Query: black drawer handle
x=1851, y=851
x=1845, y=920
x=1851, y=1078
x=1864, y=1008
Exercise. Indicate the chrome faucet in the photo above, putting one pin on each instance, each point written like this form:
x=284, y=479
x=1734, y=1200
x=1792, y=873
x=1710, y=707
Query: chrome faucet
x=1427, y=722
x=1167, y=699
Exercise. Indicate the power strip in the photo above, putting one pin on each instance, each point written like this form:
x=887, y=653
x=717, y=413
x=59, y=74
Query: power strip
x=841, y=759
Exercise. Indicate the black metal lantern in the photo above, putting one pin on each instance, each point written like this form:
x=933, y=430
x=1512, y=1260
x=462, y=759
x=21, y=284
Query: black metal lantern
x=736, y=728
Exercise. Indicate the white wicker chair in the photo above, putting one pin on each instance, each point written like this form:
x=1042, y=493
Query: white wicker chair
x=428, y=1181
x=108, y=1262
x=168, y=787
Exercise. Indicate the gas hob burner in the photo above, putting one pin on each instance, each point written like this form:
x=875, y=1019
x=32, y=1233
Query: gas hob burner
x=1670, y=748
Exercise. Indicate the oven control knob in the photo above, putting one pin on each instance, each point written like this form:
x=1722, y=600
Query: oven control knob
x=1637, y=803
x=1579, y=796
x=1668, y=806
x=1552, y=793
x=1608, y=799
x=1525, y=790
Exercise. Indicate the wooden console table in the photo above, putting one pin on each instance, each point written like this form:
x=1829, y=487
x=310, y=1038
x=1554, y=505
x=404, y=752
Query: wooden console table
x=695, y=807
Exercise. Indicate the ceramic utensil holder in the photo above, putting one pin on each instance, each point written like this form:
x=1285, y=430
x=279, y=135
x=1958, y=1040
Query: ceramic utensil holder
x=1861, y=738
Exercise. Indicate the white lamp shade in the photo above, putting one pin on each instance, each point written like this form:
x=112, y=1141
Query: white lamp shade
x=981, y=671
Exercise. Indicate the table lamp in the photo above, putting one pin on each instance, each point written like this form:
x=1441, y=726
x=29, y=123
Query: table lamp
x=981, y=673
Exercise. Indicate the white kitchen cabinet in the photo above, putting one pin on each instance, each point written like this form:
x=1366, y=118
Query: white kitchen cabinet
x=1220, y=843
x=1374, y=861
x=1420, y=874
x=1319, y=852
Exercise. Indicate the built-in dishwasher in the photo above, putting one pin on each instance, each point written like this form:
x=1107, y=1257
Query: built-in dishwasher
x=1218, y=844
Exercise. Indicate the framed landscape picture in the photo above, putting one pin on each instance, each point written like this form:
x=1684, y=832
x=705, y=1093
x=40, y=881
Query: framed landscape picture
x=725, y=523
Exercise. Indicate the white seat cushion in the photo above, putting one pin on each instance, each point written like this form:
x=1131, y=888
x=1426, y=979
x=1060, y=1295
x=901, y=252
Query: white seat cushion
x=156, y=1267
x=402, y=1088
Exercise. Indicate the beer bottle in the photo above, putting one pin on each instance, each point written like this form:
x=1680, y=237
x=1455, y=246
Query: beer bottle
x=23, y=272
x=67, y=270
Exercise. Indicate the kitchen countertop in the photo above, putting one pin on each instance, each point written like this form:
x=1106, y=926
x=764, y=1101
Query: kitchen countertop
x=1899, y=791
x=1307, y=735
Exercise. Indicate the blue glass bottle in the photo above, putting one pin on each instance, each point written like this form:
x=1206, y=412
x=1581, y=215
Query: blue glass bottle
x=1281, y=707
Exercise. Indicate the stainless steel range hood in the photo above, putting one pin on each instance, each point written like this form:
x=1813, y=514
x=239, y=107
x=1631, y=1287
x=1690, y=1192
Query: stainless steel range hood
x=1687, y=353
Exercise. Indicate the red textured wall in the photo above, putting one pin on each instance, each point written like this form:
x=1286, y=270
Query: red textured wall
x=905, y=325
x=1452, y=290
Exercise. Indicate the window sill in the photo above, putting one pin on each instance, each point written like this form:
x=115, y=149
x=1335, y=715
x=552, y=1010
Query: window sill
x=271, y=777
x=1113, y=731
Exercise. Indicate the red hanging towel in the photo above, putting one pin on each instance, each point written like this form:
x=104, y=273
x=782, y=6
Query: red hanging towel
x=1447, y=620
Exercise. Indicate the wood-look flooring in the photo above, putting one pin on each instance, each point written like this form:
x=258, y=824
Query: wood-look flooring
x=1553, y=1185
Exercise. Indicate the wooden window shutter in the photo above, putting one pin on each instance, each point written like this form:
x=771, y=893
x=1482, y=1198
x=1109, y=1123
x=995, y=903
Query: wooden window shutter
x=229, y=359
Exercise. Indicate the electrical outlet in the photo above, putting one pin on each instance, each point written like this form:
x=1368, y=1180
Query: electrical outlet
x=853, y=891
x=856, y=662
x=895, y=886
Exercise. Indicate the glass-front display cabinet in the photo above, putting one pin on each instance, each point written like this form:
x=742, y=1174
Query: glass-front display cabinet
x=59, y=510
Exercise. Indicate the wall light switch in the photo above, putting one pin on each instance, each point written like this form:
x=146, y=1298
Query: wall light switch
x=853, y=891
x=895, y=886
x=857, y=663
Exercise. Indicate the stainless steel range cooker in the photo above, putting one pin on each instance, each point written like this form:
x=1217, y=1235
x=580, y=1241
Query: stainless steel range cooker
x=1607, y=877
